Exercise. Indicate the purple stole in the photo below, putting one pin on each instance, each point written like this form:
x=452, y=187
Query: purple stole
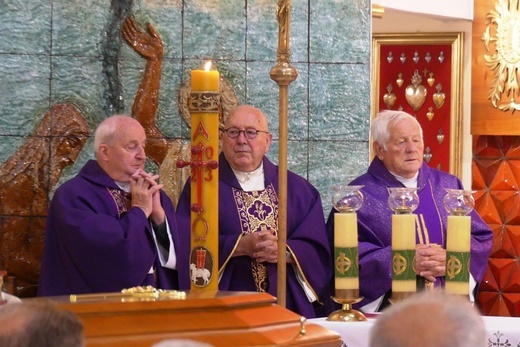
x=258, y=210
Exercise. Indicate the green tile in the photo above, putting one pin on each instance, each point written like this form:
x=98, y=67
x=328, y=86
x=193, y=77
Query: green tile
x=336, y=162
x=24, y=92
x=80, y=27
x=80, y=80
x=25, y=26
x=166, y=20
x=216, y=31
x=340, y=31
x=264, y=93
x=339, y=101
x=9, y=145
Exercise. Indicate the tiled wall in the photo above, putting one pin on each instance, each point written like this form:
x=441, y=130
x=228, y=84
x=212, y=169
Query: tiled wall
x=71, y=53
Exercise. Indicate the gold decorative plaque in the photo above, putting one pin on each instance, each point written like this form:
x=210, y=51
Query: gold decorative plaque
x=422, y=74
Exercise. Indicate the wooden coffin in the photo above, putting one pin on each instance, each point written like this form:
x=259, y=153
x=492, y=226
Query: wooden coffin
x=216, y=318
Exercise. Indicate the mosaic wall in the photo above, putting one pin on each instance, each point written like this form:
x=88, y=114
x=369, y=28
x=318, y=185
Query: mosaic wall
x=64, y=65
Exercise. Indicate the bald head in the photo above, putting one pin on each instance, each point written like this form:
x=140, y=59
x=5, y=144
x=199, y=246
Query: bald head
x=110, y=128
x=243, y=153
x=258, y=117
x=119, y=144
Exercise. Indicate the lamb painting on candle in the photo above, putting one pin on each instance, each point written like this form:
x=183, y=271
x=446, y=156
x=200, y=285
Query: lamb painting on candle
x=248, y=221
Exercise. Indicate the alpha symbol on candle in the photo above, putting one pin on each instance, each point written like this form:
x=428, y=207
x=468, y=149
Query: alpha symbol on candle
x=454, y=267
x=201, y=130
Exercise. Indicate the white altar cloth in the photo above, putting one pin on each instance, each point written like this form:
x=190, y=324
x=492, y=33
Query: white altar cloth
x=501, y=331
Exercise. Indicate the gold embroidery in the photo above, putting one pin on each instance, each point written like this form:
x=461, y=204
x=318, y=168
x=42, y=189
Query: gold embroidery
x=121, y=199
x=258, y=210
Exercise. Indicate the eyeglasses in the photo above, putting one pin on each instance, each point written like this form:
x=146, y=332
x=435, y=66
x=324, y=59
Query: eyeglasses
x=249, y=133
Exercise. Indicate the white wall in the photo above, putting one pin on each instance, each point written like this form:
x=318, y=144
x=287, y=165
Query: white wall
x=397, y=21
x=461, y=9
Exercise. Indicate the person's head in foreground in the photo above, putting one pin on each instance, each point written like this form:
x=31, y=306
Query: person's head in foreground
x=29, y=324
x=429, y=319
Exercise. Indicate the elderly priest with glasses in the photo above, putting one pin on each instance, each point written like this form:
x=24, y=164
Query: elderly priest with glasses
x=248, y=220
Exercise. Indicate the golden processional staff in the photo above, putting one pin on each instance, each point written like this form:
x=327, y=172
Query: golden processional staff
x=283, y=74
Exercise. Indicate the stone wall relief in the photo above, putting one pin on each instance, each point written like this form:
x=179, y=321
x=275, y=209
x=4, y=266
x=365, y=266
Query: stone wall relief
x=29, y=176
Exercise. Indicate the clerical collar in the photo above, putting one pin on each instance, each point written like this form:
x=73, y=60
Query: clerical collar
x=124, y=186
x=253, y=180
x=408, y=182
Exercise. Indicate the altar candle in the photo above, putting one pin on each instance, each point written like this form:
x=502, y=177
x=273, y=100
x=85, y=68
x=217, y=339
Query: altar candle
x=458, y=238
x=204, y=188
x=346, y=252
x=205, y=80
x=403, y=253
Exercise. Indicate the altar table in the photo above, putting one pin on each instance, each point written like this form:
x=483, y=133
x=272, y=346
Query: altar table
x=501, y=331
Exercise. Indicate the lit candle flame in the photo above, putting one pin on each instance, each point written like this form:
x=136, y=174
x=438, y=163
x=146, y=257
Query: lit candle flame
x=207, y=66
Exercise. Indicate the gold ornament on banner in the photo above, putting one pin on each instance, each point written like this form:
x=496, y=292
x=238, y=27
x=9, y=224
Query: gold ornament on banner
x=415, y=57
x=389, y=97
x=431, y=80
x=441, y=57
x=390, y=58
x=439, y=97
x=440, y=136
x=416, y=93
x=430, y=113
x=427, y=155
x=403, y=58
x=399, y=80
x=428, y=57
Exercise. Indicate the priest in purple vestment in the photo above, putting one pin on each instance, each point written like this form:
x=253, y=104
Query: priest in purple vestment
x=248, y=219
x=398, y=162
x=110, y=227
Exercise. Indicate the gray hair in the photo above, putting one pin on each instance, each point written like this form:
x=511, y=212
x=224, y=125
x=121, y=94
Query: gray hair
x=380, y=125
x=430, y=319
x=28, y=324
x=106, y=132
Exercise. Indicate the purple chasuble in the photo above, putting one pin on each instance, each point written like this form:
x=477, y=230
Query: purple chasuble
x=306, y=236
x=375, y=226
x=94, y=243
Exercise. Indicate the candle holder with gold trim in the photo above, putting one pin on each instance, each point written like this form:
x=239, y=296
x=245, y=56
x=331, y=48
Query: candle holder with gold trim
x=347, y=200
x=403, y=201
x=459, y=203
